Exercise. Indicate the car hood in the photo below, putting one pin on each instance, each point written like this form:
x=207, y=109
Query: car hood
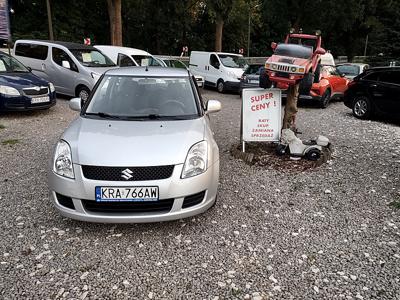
x=132, y=143
x=21, y=80
x=101, y=70
x=288, y=60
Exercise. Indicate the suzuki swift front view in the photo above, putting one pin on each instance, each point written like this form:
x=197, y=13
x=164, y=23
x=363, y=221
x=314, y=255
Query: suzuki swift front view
x=142, y=150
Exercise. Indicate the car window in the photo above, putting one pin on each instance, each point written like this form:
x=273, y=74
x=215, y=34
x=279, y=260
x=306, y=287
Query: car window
x=232, y=61
x=390, y=77
x=137, y=97
x=145, y=60
x=31, y=50
x=92, y=58
x=253, y=69
x=178, y=64
x=334, y=71
x=214, y=60
x=60, y=55
x=125, y=60
x=352, y=70
x=9, y=64
x=373, y=76
x=293, y=50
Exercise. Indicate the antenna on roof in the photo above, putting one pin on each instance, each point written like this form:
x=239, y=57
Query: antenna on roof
x=147, y=69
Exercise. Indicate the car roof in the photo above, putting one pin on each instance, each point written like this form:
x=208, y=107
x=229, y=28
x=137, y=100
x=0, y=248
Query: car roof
x=352, y=64
x=123, y=50
x=386, y=68
x=68, y=45
x=149, y=72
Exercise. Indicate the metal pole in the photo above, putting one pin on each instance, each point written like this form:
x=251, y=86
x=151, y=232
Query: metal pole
x=366, y=45
x=51, y=35
x=248, y=35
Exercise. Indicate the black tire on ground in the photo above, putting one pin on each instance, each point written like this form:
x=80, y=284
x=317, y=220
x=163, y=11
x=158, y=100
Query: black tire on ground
x=220, y=86
x=362, y=108
x=313, y=154
x=317, y=73
x=306, y=83
x=83, y=92
x=265, y=83
x=326, y=97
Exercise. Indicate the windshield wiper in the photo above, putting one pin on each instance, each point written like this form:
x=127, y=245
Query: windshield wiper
x=103, y=115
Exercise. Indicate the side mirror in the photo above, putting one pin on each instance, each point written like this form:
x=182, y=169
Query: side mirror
x=274, y=45
x=29, y=69
x=320, y=51
x=75, y=104
x=342, y=75
x=66, y=64
x=213, y=106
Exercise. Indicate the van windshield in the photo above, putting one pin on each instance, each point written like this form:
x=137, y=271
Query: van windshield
x=143, y=98
x=92, y=58
x=232, y=61
x=9, y=64
x=145, y=60
x=293, y=50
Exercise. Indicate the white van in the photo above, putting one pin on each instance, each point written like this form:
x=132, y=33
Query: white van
x=219, y=69
x=127, y=57
x=73, y=68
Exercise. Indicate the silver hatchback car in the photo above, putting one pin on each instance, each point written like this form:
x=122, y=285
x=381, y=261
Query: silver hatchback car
x=142, y=150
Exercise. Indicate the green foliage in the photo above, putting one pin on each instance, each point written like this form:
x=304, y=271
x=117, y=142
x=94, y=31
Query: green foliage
x=164, y=26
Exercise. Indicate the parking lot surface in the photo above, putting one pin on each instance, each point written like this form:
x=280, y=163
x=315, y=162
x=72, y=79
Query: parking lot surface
x=327, y=233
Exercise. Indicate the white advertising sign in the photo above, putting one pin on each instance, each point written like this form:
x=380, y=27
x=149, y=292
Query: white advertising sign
x=261, y=115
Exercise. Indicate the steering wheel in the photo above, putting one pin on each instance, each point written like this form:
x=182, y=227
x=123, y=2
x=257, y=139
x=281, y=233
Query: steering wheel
x=173, y=103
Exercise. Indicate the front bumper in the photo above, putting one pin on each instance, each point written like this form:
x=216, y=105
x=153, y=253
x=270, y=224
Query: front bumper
x=23, y=103
x=232, y=85
x=246, y=85
x=175, y=188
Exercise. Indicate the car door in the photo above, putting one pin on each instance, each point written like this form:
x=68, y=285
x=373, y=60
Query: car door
x=340, y=80
x=213, y=69
x=390, y=86
x=62, y=71
x=376, y=90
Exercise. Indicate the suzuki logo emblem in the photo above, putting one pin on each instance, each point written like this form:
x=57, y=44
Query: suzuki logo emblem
x=126, y=174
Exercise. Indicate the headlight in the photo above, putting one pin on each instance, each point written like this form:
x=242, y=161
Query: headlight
x=293, y=69
x=51, y=86
x=232, y=75
x=274, y=67
x=9, y=91
x=196, y=160
x=62, y=162
x=96, y=76
x=301, y=70
x=267, y=65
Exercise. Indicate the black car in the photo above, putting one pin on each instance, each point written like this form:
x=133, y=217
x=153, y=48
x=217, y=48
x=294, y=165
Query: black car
x=250, y=77
x=377, y=90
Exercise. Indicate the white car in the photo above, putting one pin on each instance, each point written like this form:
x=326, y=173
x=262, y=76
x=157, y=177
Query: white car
x=351, y=70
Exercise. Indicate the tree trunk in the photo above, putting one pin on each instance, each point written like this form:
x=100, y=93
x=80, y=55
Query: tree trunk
x=114, y=13
x=219, y=25
x=289, y=119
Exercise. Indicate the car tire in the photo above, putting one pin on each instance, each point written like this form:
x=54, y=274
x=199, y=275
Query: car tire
x=220, y=86
x=313, y=154
x=264, y=83
x=362, y=108
x=306, y=84
x=317, y=73
x=325, y=99
x=83, y=92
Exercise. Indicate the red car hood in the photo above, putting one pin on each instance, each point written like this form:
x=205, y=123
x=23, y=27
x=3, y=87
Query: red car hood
x=288, y=60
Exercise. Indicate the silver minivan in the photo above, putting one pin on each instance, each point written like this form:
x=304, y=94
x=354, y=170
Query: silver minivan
x=73, y=68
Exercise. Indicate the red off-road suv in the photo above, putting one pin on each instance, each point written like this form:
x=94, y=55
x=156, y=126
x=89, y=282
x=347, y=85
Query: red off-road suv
x=296, y=60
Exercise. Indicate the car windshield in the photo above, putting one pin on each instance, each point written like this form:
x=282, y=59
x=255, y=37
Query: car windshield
x=9, y=64
x=233, y=61
x=143, y=98
x=145, y=60
x=253, y=69
x=92, y=58
x=293, y=50
x=352, y=70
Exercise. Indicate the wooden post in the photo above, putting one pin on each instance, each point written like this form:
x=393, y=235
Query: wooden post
x=289, y=119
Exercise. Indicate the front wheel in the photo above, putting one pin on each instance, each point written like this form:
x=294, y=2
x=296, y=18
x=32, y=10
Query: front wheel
x=306, y=84
x=264, y=83
x=362, y=107
x=83, y=93
x=221, y=86
x=326, y=97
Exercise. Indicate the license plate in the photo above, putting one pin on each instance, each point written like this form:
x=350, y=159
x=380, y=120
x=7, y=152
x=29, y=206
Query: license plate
x=40, y=99
x=131, y=194
x=253, y=81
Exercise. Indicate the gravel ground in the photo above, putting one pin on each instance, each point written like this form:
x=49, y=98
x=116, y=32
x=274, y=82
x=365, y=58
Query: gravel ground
x=327, y=233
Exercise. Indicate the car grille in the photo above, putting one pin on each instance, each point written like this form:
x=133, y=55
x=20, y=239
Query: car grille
x=36, y=91
x=283, y=75
x=161, y=206
x=135, y=174
x=193, y=199
x=283, y=68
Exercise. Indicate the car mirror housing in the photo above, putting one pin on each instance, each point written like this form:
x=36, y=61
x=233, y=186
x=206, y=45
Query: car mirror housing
x=213, y=106
x=320, y=51
x=75, y=104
